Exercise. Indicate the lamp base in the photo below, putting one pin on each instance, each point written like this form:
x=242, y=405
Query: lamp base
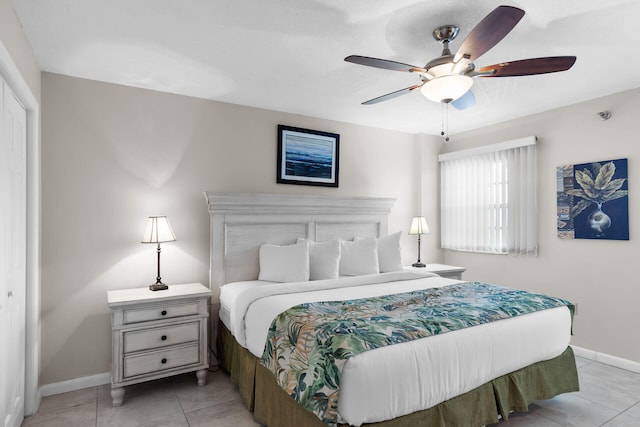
x=418, y=264
x=158, y=287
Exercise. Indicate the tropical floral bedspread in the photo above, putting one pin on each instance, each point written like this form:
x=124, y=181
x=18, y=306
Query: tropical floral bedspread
x=308, y=344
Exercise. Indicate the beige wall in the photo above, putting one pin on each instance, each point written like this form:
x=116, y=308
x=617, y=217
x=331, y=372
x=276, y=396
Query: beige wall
x=600, y=276
x=113, y=155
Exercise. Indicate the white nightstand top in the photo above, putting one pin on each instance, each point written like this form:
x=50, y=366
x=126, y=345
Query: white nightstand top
x=138, y=295
x=437, y=268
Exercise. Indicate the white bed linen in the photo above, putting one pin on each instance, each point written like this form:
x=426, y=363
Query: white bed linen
x=375, y=385
x=237, y=302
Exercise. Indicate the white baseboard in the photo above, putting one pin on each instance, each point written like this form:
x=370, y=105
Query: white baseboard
x=75, y=384
x=607, y=359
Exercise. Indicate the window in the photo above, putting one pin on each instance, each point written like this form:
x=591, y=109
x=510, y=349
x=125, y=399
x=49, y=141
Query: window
x=488, y=198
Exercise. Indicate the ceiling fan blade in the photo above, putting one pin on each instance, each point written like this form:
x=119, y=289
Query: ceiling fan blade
x=493, y=28
x=391, y=95
x=383, y=63
x=465, y=101
x=527, y=67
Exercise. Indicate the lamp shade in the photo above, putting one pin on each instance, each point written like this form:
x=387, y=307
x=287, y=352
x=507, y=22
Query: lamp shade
x=419, y=226
x=446, y=88
x=158, y=230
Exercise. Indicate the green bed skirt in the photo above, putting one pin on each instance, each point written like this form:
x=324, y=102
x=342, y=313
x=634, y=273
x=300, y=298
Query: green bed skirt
x=272, y=406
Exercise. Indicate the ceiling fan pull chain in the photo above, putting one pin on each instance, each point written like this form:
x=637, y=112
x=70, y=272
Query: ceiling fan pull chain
x=445, y=121
x=442, y=119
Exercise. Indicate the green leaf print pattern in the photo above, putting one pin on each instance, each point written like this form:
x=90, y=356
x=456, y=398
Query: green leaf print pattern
x=308, y=344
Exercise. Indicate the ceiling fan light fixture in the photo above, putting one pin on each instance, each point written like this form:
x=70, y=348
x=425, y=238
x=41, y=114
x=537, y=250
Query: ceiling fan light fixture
x=446, y=88
x=448, y=77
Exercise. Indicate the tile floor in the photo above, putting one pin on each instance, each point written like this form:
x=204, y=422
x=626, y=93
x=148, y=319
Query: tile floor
x=609, y=397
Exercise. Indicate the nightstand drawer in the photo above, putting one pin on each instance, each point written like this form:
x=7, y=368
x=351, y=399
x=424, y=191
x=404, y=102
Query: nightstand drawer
x=149, y=339
x=158, y=361
x=160, y=312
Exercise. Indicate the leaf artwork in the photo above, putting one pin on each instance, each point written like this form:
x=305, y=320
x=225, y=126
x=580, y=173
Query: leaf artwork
x=582, y=192
x=604, y=176
x=596, y=186
x=579, y=207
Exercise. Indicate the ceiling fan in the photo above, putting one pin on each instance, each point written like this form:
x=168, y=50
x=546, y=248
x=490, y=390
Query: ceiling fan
x=448, y=78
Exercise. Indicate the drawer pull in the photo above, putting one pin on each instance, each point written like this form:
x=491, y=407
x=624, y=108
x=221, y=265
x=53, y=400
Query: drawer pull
x=163, y=338
x=163, y=361
x=164, y=312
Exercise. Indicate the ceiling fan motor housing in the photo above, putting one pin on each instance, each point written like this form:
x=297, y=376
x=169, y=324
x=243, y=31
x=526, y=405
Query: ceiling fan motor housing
x=445, y=33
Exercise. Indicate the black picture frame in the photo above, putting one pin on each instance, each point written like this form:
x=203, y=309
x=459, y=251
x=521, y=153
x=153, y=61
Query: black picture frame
x=308, y=157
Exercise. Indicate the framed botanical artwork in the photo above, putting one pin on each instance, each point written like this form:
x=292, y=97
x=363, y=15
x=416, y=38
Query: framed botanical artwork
x=593, y=200
x=308, y=157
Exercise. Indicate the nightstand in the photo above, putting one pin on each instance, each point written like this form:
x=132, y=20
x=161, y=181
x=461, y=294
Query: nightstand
x=157, y=334
x=448, y=271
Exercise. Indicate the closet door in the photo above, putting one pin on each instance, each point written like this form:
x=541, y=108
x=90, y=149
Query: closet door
x=13, y=235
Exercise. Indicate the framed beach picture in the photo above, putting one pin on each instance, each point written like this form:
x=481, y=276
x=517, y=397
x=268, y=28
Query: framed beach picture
x=307, y=157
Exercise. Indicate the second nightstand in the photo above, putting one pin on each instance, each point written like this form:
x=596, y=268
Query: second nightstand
x=448, y=271
x=157, y=334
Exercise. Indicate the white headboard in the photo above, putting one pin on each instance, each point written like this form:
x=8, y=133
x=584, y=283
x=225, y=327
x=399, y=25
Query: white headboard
x=241, y=222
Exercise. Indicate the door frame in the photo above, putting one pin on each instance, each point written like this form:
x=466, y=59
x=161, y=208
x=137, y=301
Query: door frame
x=14, y=79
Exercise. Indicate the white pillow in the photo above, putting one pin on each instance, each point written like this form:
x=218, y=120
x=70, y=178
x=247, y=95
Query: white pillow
x=324, y=259
x=284, y=263
x=389, y=256
x=358, y=257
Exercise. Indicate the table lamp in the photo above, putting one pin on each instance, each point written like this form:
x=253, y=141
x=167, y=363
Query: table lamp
x=158, y=231
x=419, y=226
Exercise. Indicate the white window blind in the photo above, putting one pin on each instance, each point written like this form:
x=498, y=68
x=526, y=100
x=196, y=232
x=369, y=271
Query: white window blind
x=488, y=198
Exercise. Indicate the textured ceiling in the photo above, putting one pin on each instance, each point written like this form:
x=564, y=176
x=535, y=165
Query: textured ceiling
x=287, y=55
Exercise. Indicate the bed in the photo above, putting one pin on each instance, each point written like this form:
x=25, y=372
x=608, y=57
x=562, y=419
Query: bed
x=467, y=376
